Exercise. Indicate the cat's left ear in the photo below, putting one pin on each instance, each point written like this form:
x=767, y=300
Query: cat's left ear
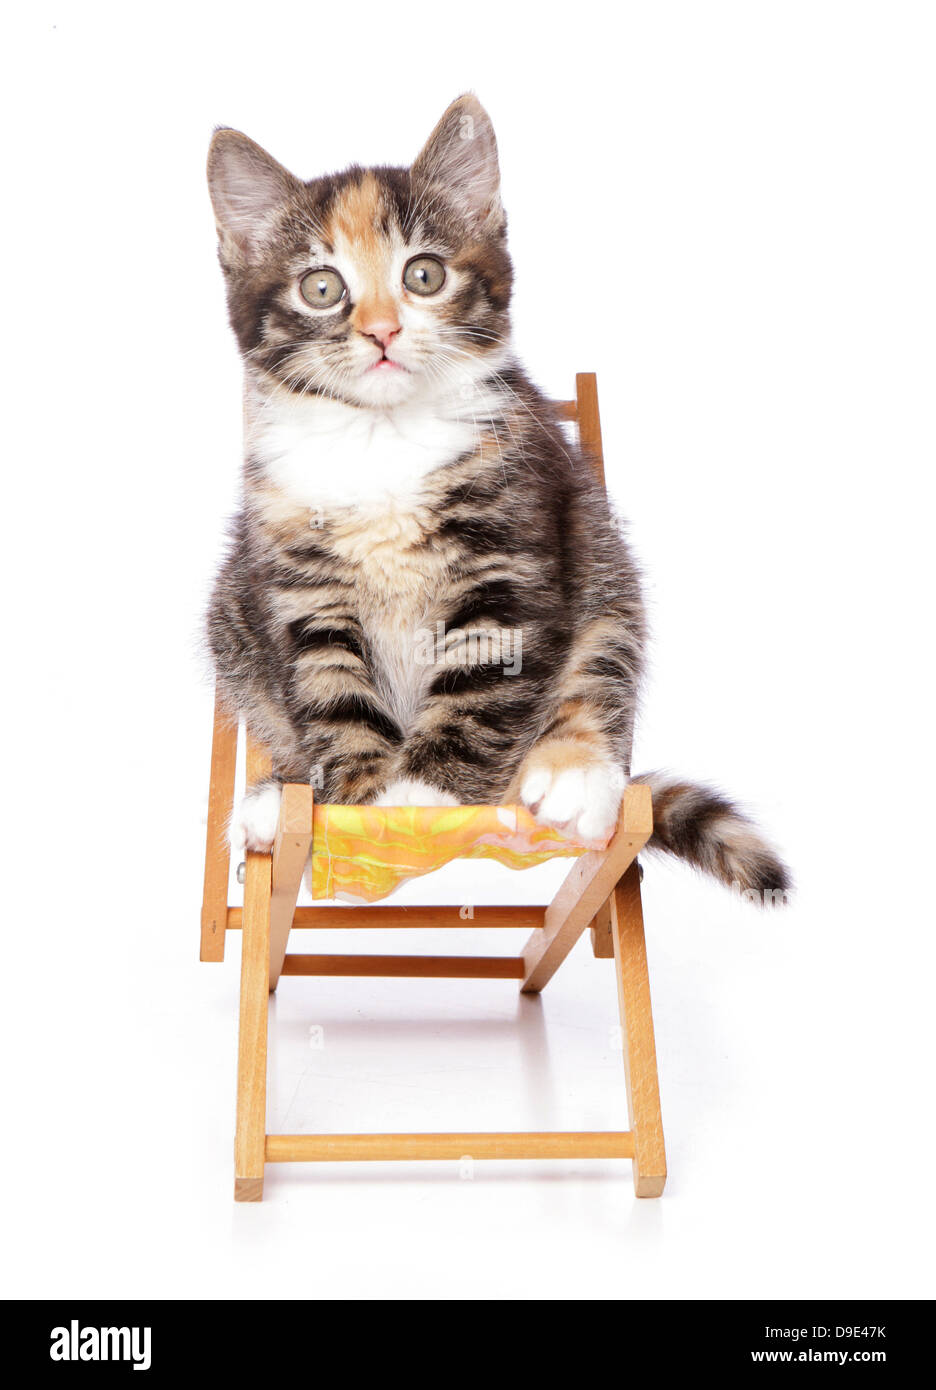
x=461, y=153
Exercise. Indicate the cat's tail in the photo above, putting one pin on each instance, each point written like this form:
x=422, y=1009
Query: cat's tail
x=701, y=826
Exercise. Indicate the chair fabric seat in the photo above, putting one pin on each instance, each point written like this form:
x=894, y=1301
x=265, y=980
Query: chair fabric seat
x=361, y=854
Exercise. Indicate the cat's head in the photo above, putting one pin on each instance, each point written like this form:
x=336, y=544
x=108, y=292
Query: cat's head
x=375, y=286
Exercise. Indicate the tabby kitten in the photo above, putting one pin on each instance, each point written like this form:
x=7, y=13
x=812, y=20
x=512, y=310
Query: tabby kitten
x=426, y=600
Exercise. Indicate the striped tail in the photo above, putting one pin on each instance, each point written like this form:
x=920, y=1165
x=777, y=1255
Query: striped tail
x=704, y=828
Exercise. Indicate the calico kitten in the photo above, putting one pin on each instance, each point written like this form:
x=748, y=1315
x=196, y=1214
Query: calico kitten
x=426, y=600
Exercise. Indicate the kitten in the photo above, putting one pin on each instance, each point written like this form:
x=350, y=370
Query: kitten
x=426, y=600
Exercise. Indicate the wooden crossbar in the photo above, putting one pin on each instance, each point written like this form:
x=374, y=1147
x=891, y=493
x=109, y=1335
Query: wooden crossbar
x=389, y=915
x=601, y=890
x=325, y=1148
x=415, y=967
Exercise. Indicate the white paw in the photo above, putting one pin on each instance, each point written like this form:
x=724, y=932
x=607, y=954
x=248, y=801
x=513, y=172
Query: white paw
x=254, y=824
x=583, y=800
x=409, y=793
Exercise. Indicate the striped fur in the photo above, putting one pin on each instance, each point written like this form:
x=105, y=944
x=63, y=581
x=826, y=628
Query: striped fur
x=702, y=827
x=425, y=595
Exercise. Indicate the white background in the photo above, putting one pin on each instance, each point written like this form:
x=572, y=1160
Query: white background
x=727, y=211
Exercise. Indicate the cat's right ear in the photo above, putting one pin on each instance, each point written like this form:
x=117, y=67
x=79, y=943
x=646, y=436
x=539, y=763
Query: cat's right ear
x=247, y=186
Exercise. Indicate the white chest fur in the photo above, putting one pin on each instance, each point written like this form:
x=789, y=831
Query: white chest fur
x=329, y=456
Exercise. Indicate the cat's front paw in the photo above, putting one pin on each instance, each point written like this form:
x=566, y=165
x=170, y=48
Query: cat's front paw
x=581, y=798
x=407, y=792
x=254, y=824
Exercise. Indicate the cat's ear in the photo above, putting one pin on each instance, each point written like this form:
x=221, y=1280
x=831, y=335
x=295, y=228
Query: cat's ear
x=247, y=186
x=462, y=154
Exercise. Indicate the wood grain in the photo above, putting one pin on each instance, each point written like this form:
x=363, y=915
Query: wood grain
x=640, y=1062
x=332, y=1148
x=250, y=1136
x=217, y=852
x=601, y=939
x=385, y=915
x=412, y=967
x=290, y=853
x=589, y=421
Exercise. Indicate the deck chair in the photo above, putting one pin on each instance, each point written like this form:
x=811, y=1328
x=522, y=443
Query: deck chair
x=601, y=890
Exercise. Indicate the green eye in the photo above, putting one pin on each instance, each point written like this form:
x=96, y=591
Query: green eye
x=424, y=275
x=322, y=288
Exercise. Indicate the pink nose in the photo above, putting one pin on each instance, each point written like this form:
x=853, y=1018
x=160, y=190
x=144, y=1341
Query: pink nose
x=383, y=331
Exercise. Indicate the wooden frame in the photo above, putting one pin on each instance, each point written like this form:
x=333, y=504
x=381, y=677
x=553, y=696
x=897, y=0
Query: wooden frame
x=602, y=889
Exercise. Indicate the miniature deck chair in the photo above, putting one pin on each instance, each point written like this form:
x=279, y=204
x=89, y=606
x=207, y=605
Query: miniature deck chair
x=602, y=889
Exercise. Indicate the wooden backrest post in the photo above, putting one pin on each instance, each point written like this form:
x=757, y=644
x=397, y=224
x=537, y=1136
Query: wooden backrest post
x=589, y=421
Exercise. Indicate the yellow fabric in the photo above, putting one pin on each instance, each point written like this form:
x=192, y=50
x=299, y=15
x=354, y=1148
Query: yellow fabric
x=363, y=853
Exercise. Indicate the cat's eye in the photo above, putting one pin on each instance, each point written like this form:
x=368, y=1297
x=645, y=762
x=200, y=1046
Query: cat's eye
x=424, y=275
x=323, y=289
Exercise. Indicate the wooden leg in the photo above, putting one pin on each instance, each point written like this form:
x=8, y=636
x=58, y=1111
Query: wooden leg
x=601, y=938
x=217, y=853
x=250, y=1138
x=290, y=852
x=640, y=1065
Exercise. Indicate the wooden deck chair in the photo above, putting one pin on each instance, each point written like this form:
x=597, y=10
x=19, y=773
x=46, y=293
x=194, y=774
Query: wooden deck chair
x=602, y=889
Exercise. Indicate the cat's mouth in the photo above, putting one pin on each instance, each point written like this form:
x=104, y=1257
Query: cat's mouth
x=386, y=364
